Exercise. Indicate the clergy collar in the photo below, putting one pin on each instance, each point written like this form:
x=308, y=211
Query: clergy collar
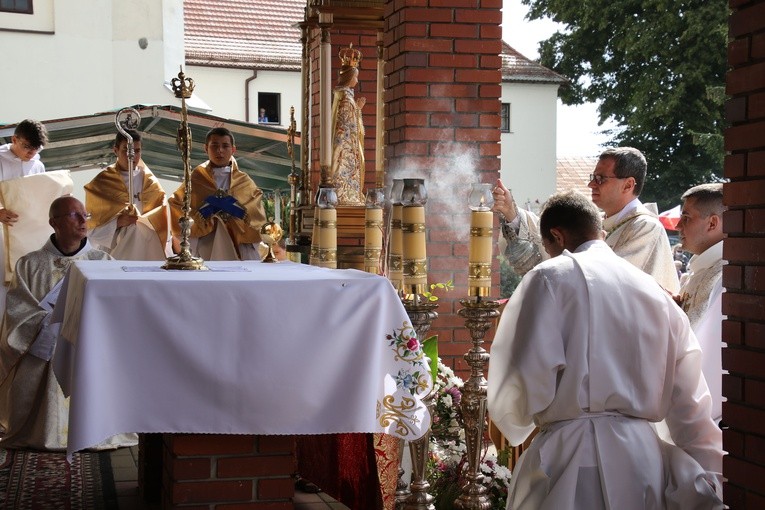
x=707, y=258
x=75, y=252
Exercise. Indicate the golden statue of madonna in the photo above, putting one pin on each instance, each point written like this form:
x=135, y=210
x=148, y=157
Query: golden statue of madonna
x=347, y=173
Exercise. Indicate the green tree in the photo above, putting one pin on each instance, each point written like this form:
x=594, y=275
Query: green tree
x=658, y=69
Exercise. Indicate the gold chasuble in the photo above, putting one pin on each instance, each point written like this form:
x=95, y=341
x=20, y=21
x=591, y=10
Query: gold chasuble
x=106, y=196
x=242, y=189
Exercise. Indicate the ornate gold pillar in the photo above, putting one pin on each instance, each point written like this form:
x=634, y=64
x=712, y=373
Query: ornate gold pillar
x=325, y=98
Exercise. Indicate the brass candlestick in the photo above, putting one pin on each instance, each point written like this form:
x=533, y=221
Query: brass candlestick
x=479, y=317
x=183, y=87
x=293, y=251
x=421, y=314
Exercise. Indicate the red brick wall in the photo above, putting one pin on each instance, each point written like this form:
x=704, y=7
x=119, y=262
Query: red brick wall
x=228, y=472
x=744, y=277
x=442, y=123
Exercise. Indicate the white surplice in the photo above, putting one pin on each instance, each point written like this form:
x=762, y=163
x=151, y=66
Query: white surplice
x=591, y=350
x=701, y=289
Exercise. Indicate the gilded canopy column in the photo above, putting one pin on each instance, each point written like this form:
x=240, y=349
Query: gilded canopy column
x=325, y=99
x=380, y=121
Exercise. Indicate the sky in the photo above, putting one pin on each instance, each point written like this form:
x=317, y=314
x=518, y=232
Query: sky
x=578, y=130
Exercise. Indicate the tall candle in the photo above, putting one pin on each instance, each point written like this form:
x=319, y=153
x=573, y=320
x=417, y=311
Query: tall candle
x=415, y=268
x=314, y=257
x=395, y=273
x=373, y=237
x=278, y=207
x=328, y=237
x=479, y=253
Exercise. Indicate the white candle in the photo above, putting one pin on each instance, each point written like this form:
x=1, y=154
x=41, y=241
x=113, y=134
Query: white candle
x=479, y=253
x=415, y=266
x=278, y=207
x=396, y=248
x=328, y=237
x=373, y=234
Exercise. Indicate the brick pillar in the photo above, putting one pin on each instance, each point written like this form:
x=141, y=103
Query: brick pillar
x=442, y=123
x=744, y=249
x=215, y=471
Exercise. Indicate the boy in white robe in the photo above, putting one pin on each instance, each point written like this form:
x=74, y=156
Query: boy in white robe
x=634, y=232
x=19, y=158
x=33, y=410
x=591, y=350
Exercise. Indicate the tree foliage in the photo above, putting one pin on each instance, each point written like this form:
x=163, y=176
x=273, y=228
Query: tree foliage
x=657, y=67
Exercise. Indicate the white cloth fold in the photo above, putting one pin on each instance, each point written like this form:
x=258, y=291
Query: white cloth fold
x=213, y=352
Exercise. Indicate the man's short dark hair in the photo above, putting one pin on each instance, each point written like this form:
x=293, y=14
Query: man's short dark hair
x=573, y=212
x=220, y=131
x=33, y=132
x=135, y=135
x=708, y=198
x=628, y=162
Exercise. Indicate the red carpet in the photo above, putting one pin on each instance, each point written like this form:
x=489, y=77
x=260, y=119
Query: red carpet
x=32, y=480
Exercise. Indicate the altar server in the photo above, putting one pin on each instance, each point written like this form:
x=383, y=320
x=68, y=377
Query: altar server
x=19, y=158
x=226, y=204
x=592, y=350
x=701, y=233
x=33, y=410
x=139, y=232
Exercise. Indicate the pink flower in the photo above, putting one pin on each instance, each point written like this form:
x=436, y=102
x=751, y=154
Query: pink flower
x=413, y=344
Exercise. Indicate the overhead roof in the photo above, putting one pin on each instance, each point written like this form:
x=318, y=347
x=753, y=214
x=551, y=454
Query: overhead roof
x=243, y=33
x=517, y=68
x=86, y=142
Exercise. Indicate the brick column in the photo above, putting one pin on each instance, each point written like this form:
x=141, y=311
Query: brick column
x=442, y=122
x=744, y=249
x=215, y=471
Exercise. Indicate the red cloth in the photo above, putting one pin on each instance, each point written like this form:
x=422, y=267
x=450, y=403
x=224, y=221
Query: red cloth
x=343, y=466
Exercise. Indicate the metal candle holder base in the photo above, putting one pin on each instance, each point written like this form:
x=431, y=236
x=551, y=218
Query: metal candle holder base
x=479, y=316
x=417, y=498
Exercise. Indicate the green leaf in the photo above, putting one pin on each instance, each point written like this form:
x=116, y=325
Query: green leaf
x=430, y=348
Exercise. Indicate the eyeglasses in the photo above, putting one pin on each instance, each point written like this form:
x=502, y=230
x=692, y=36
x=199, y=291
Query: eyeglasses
x=600, y=179
x=74, y=215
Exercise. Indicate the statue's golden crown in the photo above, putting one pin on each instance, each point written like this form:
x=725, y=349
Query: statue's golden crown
x=349, y=57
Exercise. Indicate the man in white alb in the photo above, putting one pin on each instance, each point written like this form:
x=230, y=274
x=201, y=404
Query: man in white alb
x=590, y=350
x=33, y=410
x=701, y=233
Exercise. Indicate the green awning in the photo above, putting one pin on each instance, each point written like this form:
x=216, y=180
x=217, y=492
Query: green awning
x=86, y=143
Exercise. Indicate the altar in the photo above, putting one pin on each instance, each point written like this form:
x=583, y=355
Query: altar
x=244, y=348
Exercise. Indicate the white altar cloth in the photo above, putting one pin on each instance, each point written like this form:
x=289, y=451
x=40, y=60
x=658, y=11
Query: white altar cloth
x=249, y=348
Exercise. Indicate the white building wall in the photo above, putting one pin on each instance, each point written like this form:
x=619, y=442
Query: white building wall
x=84, y=57
x=224, y=91
x=528, y=150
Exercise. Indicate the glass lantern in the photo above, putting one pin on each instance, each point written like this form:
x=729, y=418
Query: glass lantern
x=481, y=198
x=414, y=192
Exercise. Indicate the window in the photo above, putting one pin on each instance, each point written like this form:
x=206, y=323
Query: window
x=269, y=106
x=17, y=6
x=505, y=115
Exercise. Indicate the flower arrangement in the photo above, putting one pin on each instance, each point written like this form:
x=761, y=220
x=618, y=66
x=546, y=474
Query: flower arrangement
x=448, y=451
